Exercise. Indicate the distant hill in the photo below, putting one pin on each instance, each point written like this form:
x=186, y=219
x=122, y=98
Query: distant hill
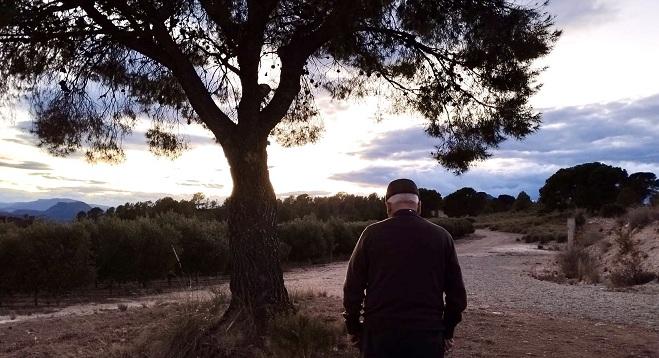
x=41, y=204
x=52, y=209
x=64, y=211
x=38, y=205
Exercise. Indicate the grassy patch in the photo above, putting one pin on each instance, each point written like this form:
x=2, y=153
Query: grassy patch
x=299, y=335
x=194, y=330
x=535, y=226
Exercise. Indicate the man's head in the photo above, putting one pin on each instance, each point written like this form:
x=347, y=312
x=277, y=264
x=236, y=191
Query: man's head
x=402, y=194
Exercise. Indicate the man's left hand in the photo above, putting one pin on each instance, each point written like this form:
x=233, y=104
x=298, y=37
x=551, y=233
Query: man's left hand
x=355, y=339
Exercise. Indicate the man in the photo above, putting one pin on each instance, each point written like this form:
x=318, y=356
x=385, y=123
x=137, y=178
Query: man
x=406, y=265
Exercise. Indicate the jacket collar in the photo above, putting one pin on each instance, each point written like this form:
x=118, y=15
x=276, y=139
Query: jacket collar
x=405, y=212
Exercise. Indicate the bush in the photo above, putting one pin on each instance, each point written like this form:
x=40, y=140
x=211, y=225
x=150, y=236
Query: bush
x=457, y=227
x=576, y=263
x=545, y=237
x=344, y=235
x=202, y=247
x=628, y=270
x=612, y=210
x=641, y=217
x=306, y=238
x=46, y=257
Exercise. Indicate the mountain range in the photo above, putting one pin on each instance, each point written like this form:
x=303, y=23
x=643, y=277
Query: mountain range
x=57, y=209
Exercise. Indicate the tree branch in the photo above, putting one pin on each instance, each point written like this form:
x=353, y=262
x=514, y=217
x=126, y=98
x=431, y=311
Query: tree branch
x=170, y=56
x=294, y=56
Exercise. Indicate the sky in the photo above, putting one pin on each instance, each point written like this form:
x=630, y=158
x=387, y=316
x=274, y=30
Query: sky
x=600, y=102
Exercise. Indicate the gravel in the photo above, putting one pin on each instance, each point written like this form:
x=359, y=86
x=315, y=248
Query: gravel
x=496, y=270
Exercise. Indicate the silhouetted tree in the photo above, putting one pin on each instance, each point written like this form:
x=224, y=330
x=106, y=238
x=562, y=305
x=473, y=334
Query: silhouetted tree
x=503, y=202
x=638, y=188
x=587, y=186
x=463, y=202
x=247, y=70
x=522, y=202
x=95, y=213
x=431, y=201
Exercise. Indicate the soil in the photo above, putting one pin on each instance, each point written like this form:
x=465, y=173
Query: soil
x=510, y=314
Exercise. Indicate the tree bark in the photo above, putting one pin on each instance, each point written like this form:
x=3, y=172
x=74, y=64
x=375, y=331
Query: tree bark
x=257, y=283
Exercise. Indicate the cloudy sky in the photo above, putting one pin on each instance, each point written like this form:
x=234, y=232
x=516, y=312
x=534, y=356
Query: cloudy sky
x=600, y=101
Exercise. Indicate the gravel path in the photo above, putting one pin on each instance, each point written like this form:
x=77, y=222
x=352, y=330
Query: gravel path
x=496, y=273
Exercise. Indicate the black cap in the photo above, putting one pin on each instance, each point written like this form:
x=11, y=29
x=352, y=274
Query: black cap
x=401, y=186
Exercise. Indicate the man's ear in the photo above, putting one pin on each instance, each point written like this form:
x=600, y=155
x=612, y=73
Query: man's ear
x=388, y=205
x=419, y=208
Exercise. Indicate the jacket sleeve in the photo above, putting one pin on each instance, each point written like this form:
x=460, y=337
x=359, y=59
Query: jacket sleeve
x=456, y=295
x=355, y=285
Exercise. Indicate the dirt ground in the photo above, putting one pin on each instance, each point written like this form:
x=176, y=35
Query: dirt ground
x=510, y=314
x=482, y=334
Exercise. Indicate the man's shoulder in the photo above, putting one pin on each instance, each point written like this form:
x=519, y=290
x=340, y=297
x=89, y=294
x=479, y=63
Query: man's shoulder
x=420, y=223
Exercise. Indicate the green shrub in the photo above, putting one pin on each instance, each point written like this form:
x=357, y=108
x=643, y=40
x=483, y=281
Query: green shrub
x=203, y=245
x=154, y=250
x=306, y=238
x=46, y=257
x=457, y=227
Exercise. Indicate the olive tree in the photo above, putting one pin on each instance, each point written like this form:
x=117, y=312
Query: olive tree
x=248, y=71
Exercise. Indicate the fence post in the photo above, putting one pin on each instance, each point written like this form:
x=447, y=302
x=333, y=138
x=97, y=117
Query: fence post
x=571, y=226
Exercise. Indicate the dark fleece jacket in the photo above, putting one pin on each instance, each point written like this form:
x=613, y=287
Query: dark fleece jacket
x=399, y=272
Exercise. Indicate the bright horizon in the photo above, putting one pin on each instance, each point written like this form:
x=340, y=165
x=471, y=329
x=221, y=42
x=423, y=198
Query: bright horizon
x=600, y=100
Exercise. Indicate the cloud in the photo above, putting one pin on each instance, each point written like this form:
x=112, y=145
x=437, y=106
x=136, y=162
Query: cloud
x=61, y=178
x=197, y=183
x=27, y=165
x=581, y=13
x=621, y=133
x=300, y=192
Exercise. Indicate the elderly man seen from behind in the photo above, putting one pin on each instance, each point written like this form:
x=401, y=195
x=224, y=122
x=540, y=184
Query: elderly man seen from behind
x=398, y=275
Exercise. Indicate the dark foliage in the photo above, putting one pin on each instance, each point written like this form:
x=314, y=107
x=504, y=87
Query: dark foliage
x=465, y=201
x=589, y=186
x=522, y=202
x=431, y=202
x=348, y=207
x=90, y=68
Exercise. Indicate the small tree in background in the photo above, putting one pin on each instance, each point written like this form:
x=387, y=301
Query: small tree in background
x=522, y=202
x=465, y=201
x=588, y=185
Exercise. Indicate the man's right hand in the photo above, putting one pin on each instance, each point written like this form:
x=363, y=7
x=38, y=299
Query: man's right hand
x=448, y=344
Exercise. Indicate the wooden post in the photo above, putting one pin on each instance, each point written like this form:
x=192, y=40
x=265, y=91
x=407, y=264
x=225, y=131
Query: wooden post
x=571, y=226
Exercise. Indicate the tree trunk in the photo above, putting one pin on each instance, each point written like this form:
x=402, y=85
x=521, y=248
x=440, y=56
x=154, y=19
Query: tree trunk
x=257, y=283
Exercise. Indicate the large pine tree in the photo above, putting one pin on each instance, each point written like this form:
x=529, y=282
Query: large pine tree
x=90, y=69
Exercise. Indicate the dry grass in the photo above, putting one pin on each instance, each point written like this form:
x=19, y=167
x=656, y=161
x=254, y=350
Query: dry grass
x=181, y=336
x=576, y=263
x=640, y=217
x=299, y=335
x=195, y=331
x=536, y=227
